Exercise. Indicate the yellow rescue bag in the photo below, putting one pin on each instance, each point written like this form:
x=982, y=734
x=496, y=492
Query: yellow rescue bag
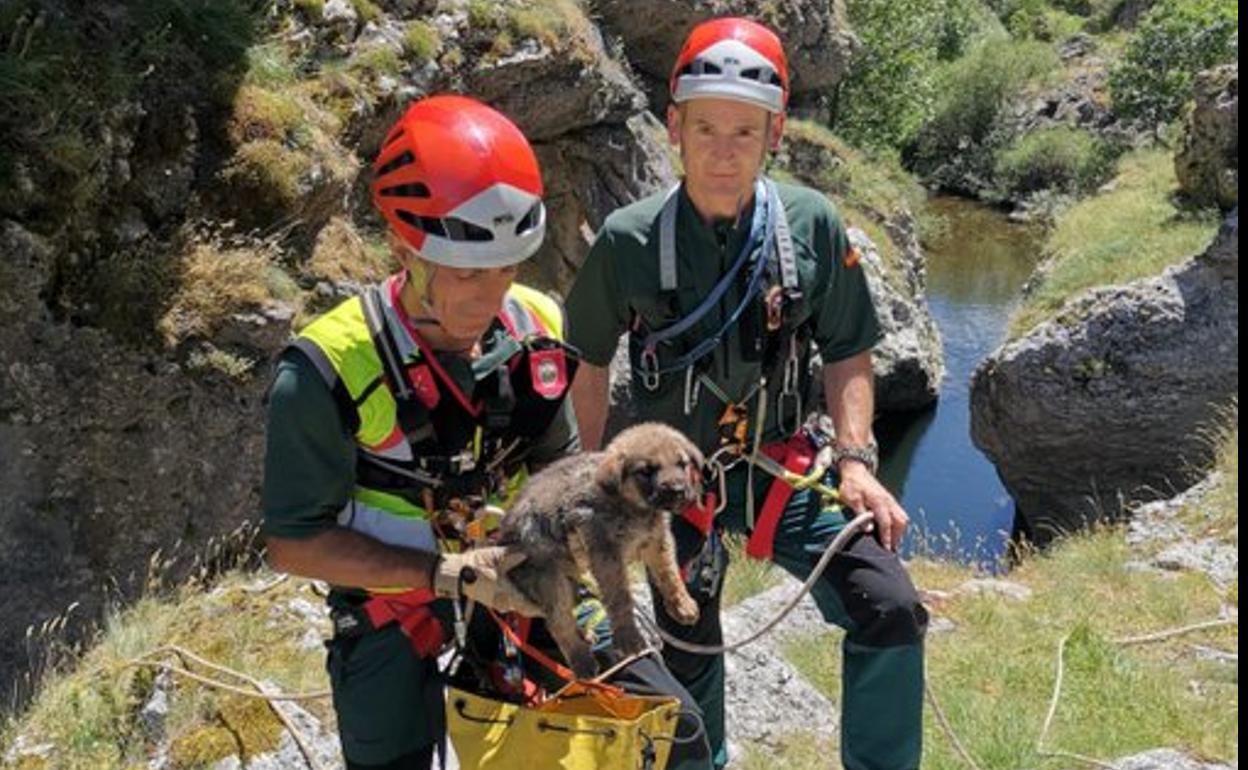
x=582, y=727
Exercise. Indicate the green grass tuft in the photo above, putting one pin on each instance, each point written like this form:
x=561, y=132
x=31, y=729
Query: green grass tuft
x=1132, y=231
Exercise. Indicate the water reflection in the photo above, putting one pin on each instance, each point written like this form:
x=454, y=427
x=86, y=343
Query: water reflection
x=975, y=268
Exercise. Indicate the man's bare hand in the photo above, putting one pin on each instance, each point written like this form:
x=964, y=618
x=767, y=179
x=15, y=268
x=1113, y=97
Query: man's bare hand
x=861, y=491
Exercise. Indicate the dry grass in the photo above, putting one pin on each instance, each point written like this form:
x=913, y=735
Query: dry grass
x=90, y=714
x=215, y=284
x=340, y=254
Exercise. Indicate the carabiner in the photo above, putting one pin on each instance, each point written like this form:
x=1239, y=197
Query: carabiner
x=648, y=363
x=693, y=388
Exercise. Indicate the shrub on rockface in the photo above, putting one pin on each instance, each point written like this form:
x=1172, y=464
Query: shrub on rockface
x=889, y=91
x=1041, y=20
x=1176, y=40
x=957, y=142
x=63, y=75
x=1066, y=160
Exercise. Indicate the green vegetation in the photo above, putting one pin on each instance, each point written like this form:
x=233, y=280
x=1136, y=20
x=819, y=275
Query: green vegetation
x=1131, y=231
x=889, y=92
x=483, y=14
x=216, y=283
x=90, y=712
x=994, y=673
x=1176, y=40
x=867, y=190
x=1042, y=20
x=313, y=8
x=1067, y=160
x=877, y=183
x=1218, y=516
x=560, y=25
x=746, y=577
x=972, y=91
x=421, y=41
x=381, y=59
x=62, y=71
x=366, y=10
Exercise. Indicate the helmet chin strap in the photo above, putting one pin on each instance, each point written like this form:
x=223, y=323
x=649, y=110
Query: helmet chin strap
x=430, y=320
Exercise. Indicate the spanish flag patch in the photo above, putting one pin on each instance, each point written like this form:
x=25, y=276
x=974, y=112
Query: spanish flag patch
x=852, y=256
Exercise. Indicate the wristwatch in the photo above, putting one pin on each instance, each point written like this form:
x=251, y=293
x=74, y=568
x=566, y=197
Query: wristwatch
x=868, y=455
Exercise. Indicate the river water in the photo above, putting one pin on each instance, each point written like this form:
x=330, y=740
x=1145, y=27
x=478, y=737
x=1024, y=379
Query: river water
x=976, y=266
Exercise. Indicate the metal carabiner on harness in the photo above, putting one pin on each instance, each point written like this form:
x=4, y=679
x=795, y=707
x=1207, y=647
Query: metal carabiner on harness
x=790, y=398
x=719, y=470
x=648, y=363
x=693, y=389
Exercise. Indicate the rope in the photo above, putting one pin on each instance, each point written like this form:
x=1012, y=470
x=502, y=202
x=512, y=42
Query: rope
x=625, y=663
x=1125, y=641
x=1048, y=719
x=268, y=585
x=142, y=660
x=259, y=692
x=1172, y=632
x=812, y=480
x=944, y=725
x=860, y=522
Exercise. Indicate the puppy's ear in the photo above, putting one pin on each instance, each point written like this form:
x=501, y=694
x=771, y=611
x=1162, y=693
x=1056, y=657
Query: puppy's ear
x=692, y=454
x=697, y=464
x=610, y=473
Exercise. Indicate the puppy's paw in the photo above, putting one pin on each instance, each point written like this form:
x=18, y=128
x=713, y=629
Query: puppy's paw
x=683, y=608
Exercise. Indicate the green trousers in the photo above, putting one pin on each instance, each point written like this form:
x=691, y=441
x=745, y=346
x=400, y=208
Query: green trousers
x=865, y=590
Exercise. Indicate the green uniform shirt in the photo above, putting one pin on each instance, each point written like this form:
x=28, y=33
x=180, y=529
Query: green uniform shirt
x=309, y=463
x=619, y=284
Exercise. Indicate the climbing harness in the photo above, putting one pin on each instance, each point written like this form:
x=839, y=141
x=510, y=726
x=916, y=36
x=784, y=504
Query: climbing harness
x=794, y=481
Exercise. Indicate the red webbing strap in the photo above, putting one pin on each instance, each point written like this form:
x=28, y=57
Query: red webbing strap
x=701, y=514
x=796, y=454
x=410, y=610
x=556, y=668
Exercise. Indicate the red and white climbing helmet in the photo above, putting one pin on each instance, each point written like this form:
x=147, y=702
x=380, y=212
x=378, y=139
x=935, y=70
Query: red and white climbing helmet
x=459, y=183
x=732, y=58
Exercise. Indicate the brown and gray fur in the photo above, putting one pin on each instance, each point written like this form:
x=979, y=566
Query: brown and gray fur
x=596, y=513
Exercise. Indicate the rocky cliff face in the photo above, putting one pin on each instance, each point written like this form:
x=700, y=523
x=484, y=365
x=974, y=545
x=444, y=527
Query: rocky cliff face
x=1110, y=401
x=1106, y=403
x=1207, y=163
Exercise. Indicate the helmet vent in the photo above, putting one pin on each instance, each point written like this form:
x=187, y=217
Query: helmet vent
x=762, y=75
x=430, y=225
x=394, y=137
x=406, y=159
x=460, y=230
x=451, y=228
x=701, y=67
x=413, y=190
x=530, y=220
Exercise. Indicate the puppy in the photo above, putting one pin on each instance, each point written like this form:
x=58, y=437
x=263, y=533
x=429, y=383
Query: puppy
x=596, y=513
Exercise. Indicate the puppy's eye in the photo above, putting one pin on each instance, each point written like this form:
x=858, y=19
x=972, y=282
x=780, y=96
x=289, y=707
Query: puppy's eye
x=645, y=470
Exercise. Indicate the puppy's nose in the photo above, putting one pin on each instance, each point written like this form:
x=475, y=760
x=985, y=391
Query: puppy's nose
x=676, y=490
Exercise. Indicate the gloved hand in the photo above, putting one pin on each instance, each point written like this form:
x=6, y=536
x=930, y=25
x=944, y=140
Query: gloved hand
x=481, y=575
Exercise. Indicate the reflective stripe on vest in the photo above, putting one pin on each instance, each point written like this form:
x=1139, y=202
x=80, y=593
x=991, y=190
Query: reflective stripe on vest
x=343, y=352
